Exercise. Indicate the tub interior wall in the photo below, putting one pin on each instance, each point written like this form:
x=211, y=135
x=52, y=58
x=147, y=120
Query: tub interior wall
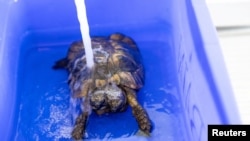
x=45, y=29
x=12, y=28
x=50, y=41
x=196, y=83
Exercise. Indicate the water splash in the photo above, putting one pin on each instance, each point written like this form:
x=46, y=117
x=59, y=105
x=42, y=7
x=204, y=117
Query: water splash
x=84, y=27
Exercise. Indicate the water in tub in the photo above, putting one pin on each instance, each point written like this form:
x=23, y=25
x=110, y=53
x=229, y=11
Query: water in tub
x=44, y=104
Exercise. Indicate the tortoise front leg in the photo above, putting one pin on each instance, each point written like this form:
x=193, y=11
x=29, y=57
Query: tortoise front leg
x=139, y=113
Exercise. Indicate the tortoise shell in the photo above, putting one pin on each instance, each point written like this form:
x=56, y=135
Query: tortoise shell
x=112, y=82
x=116, y=58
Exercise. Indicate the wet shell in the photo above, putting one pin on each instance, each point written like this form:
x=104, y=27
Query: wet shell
x=116, y=58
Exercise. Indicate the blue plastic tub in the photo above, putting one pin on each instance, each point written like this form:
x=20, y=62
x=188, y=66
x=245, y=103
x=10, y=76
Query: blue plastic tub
x=186, y=85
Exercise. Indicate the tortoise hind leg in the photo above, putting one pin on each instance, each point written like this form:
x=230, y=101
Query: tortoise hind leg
x=61, y=64
x=139, y=113
x=80, y=126
x=81, y=120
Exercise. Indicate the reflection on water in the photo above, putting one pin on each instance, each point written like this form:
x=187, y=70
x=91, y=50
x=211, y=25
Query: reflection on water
x=45, y=111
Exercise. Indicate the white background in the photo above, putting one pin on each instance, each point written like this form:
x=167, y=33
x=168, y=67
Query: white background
x=232, y=19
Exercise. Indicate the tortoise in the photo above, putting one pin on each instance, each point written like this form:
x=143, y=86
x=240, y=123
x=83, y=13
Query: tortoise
x=111, y=85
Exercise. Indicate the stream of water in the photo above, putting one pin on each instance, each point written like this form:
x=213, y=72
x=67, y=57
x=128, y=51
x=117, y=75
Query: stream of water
x=84, y=27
